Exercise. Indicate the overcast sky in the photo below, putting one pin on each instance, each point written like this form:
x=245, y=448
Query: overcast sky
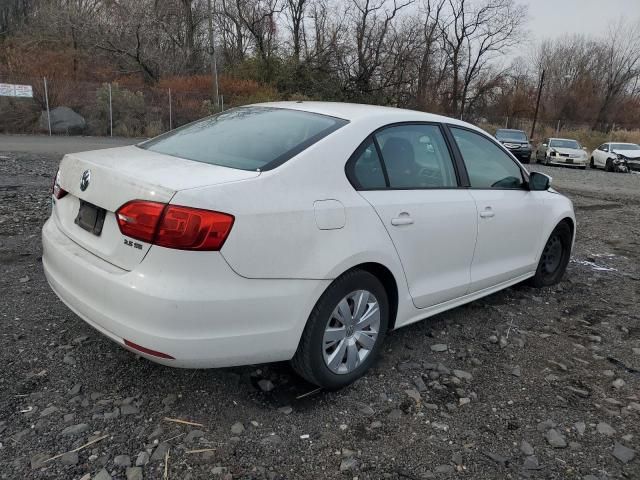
x=553, y=18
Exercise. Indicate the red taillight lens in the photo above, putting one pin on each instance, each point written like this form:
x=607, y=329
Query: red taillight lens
x=139, y=219
x=174, y=226
x=57, y=190
x=193, y=229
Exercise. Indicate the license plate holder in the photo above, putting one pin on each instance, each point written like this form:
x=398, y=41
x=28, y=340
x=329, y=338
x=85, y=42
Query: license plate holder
x=569, y=160
x=90, y=217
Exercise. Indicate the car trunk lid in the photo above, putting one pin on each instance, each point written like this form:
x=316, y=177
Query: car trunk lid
x=116, y=176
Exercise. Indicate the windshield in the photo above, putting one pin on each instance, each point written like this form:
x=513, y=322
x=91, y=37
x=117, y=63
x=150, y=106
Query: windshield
x=513, y=135
x=564, y=144
x=625, y=146
x=246, y=138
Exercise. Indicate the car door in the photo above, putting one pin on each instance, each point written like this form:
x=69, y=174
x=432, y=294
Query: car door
x=601, y=154
x=510, y=217
x=406, y=172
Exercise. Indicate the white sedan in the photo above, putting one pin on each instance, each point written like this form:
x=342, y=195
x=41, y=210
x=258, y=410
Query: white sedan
x=616, y=157
x=296, y=231
x=561, y=151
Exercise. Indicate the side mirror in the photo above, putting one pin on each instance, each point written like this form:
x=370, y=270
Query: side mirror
x=539, y=182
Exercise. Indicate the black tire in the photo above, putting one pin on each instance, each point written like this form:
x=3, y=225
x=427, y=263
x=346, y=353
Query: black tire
x=553, y=261
x=592, y=163
x=308, y=360
x=608, y=167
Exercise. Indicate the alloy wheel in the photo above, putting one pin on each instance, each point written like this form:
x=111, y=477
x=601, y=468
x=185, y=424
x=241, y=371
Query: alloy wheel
x=351, y=332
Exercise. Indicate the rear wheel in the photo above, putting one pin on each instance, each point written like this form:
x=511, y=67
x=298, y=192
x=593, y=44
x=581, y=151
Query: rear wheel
x=344, y=332
x=555, y=257
x=592, y=163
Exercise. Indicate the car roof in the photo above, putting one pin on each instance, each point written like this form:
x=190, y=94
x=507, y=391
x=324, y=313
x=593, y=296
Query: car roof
x=357, y=111
x=558, y=138
x=621, y=143
x=509, y=130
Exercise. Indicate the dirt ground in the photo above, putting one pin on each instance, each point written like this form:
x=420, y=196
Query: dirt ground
x=522, y=384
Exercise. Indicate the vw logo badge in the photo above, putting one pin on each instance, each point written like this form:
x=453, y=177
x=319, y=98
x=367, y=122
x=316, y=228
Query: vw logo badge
x=85, y=180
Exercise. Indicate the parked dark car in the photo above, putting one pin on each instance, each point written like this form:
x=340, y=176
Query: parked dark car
x=516, y=142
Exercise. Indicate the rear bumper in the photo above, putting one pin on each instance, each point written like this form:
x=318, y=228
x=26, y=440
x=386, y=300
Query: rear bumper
x=189, y=305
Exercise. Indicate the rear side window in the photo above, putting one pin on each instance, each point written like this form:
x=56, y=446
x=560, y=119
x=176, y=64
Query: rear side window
x=488, y=166
x=246, y=138
x=416, y=156
x=366, y=170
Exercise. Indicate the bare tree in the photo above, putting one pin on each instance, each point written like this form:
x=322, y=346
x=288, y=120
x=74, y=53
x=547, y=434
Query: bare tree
x=432, y=67
x=372, y=22
x=619, y=67
x=296, y=10
x=472, y=36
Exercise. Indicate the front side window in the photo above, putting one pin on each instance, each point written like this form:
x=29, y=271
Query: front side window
x=246, y=138
x=488, y=166
x=365, y=170
x=416, y=156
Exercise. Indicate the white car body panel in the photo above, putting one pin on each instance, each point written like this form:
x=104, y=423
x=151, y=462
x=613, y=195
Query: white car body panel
x=435, y=252
x=119, y=175
x=632, y=154
x=297, y=228
x=507, y=239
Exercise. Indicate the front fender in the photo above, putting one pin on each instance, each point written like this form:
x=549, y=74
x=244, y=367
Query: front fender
x=561, y=208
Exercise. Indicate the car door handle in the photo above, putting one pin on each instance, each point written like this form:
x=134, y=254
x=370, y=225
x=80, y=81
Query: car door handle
x=402, y=219
x=487, y=213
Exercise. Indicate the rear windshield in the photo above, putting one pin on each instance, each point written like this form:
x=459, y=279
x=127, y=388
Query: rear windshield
x=514, y=135
x=246, y=138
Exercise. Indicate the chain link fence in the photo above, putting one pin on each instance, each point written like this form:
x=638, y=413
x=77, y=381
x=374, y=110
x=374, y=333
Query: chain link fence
x=62, y=106
x=69, y=107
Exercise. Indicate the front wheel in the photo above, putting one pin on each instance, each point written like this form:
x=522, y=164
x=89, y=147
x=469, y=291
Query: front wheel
x=609, y=165
x=555, y=257
x=344, y=332
x=592, y=163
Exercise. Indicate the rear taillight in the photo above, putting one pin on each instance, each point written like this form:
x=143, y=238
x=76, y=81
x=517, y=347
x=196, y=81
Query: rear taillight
x=139, y=219
x=193, y=229
x=57, y=190
x=174, y=226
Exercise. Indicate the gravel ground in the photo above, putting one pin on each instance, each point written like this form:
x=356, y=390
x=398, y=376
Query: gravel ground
x=522, y=384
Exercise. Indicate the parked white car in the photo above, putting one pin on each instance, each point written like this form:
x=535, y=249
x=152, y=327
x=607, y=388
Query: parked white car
x=296, y=231
x=561, y=151
x=616, y=157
